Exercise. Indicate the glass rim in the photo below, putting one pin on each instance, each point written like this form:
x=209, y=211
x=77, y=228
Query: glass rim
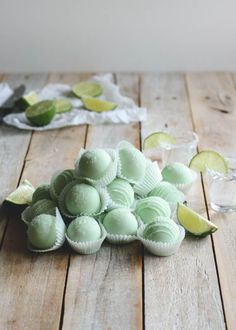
x=228, y=176
x=194, y=141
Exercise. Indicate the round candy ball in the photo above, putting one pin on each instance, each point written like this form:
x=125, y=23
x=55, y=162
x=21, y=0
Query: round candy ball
x=177, y=173
x=94, y=163
x=149, y=208
x=120, y=221
x=164, y=231
x=41, y=192
x=121, y=192
x=82, y=199
x=42, y=231
x=132, y=164
x=84, y=229
x=168, y=192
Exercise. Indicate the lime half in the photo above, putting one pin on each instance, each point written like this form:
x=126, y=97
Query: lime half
x=87, y=89
x=41, y=113
x=155, y=139
x=193, y=222
x=23, y=194
x=93, y=104
x=62, y=106
x=27, y=100
x=209, y=159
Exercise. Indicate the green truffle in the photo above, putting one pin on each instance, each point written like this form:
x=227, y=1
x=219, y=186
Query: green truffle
x=43, y=206
x=132, y=164
x=82, y=199
x=120, y=221
x=41, y=192
x=94, y=163
x=42, y=231
x=121, y=192
x=84, y=229
x=168, y=192
x=59, y=181
x=149, y=208
x=177, y=173
x=162, y=231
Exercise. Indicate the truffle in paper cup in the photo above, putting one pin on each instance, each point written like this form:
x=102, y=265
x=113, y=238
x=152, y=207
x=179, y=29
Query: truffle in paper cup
x=41, y=192
x=151, y=178
x=97, y=166
x=187, y=186
x=46, y=233
x=120, y=225
x=59, y=181
x=82, y=199
x=43, y=206
x=121, y=194
x=131, y=163
x=85, y=235
x=159, y=248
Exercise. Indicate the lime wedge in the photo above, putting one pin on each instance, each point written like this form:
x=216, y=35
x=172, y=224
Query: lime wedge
x=155, y=139
x=41, y=113
x=23, y=194
x=27, y=100
x=209, y=159
x=193, y=222
x=87, y=89
x=62, y=106
x=93, y=104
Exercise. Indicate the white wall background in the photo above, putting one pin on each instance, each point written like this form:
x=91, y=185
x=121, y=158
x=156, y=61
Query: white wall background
x=122, y=35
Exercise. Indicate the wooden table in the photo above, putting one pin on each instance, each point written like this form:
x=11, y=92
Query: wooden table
x=121, y=287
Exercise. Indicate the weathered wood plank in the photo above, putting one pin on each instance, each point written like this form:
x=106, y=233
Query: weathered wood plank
x=104, y=291
x=213, y=104
x=181, y=291
x=14, y=144
x=33, y=285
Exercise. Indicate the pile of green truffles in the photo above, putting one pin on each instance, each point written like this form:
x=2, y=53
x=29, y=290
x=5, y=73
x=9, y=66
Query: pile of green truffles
x=113, y=194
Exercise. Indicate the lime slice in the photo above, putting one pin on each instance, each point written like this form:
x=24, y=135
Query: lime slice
x=193, y=222
x=87, y=89
x=23, y=194
x=41, y=113
x=62, y=106
x=155, y=139
x=209, y=159
x=93, y=104
x=27, y=100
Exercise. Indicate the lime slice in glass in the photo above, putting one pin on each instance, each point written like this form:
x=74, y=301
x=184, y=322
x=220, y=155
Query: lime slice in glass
x=62, y=105
x=93, y=104
x=41, y=113
x=87, y=89
x=194, y=222
x=209, y=159
x=155, y=139
x=27, y=100
x=23, y=194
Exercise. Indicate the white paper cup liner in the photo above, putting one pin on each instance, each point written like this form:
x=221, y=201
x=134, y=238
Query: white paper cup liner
x=26, y=217
x=53, y=193
x=161, y=249
x=151, y=179
x=186, y=187
x=60, y=235
x=87, y=247
x=110, y=174
x=104, y=197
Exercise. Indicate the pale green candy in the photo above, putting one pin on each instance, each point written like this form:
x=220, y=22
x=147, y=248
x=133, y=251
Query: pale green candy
x=94, y=163
x=42, y=231
x=84, y=229
x=177, y=173
x=168, y=192
x=59, y=181
x=162, y=231
x=41, y=192
x=149, y=208
x=43, y=206
x=120, y=221
x=82, y=199
x=121, y=192
x=132, y=163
